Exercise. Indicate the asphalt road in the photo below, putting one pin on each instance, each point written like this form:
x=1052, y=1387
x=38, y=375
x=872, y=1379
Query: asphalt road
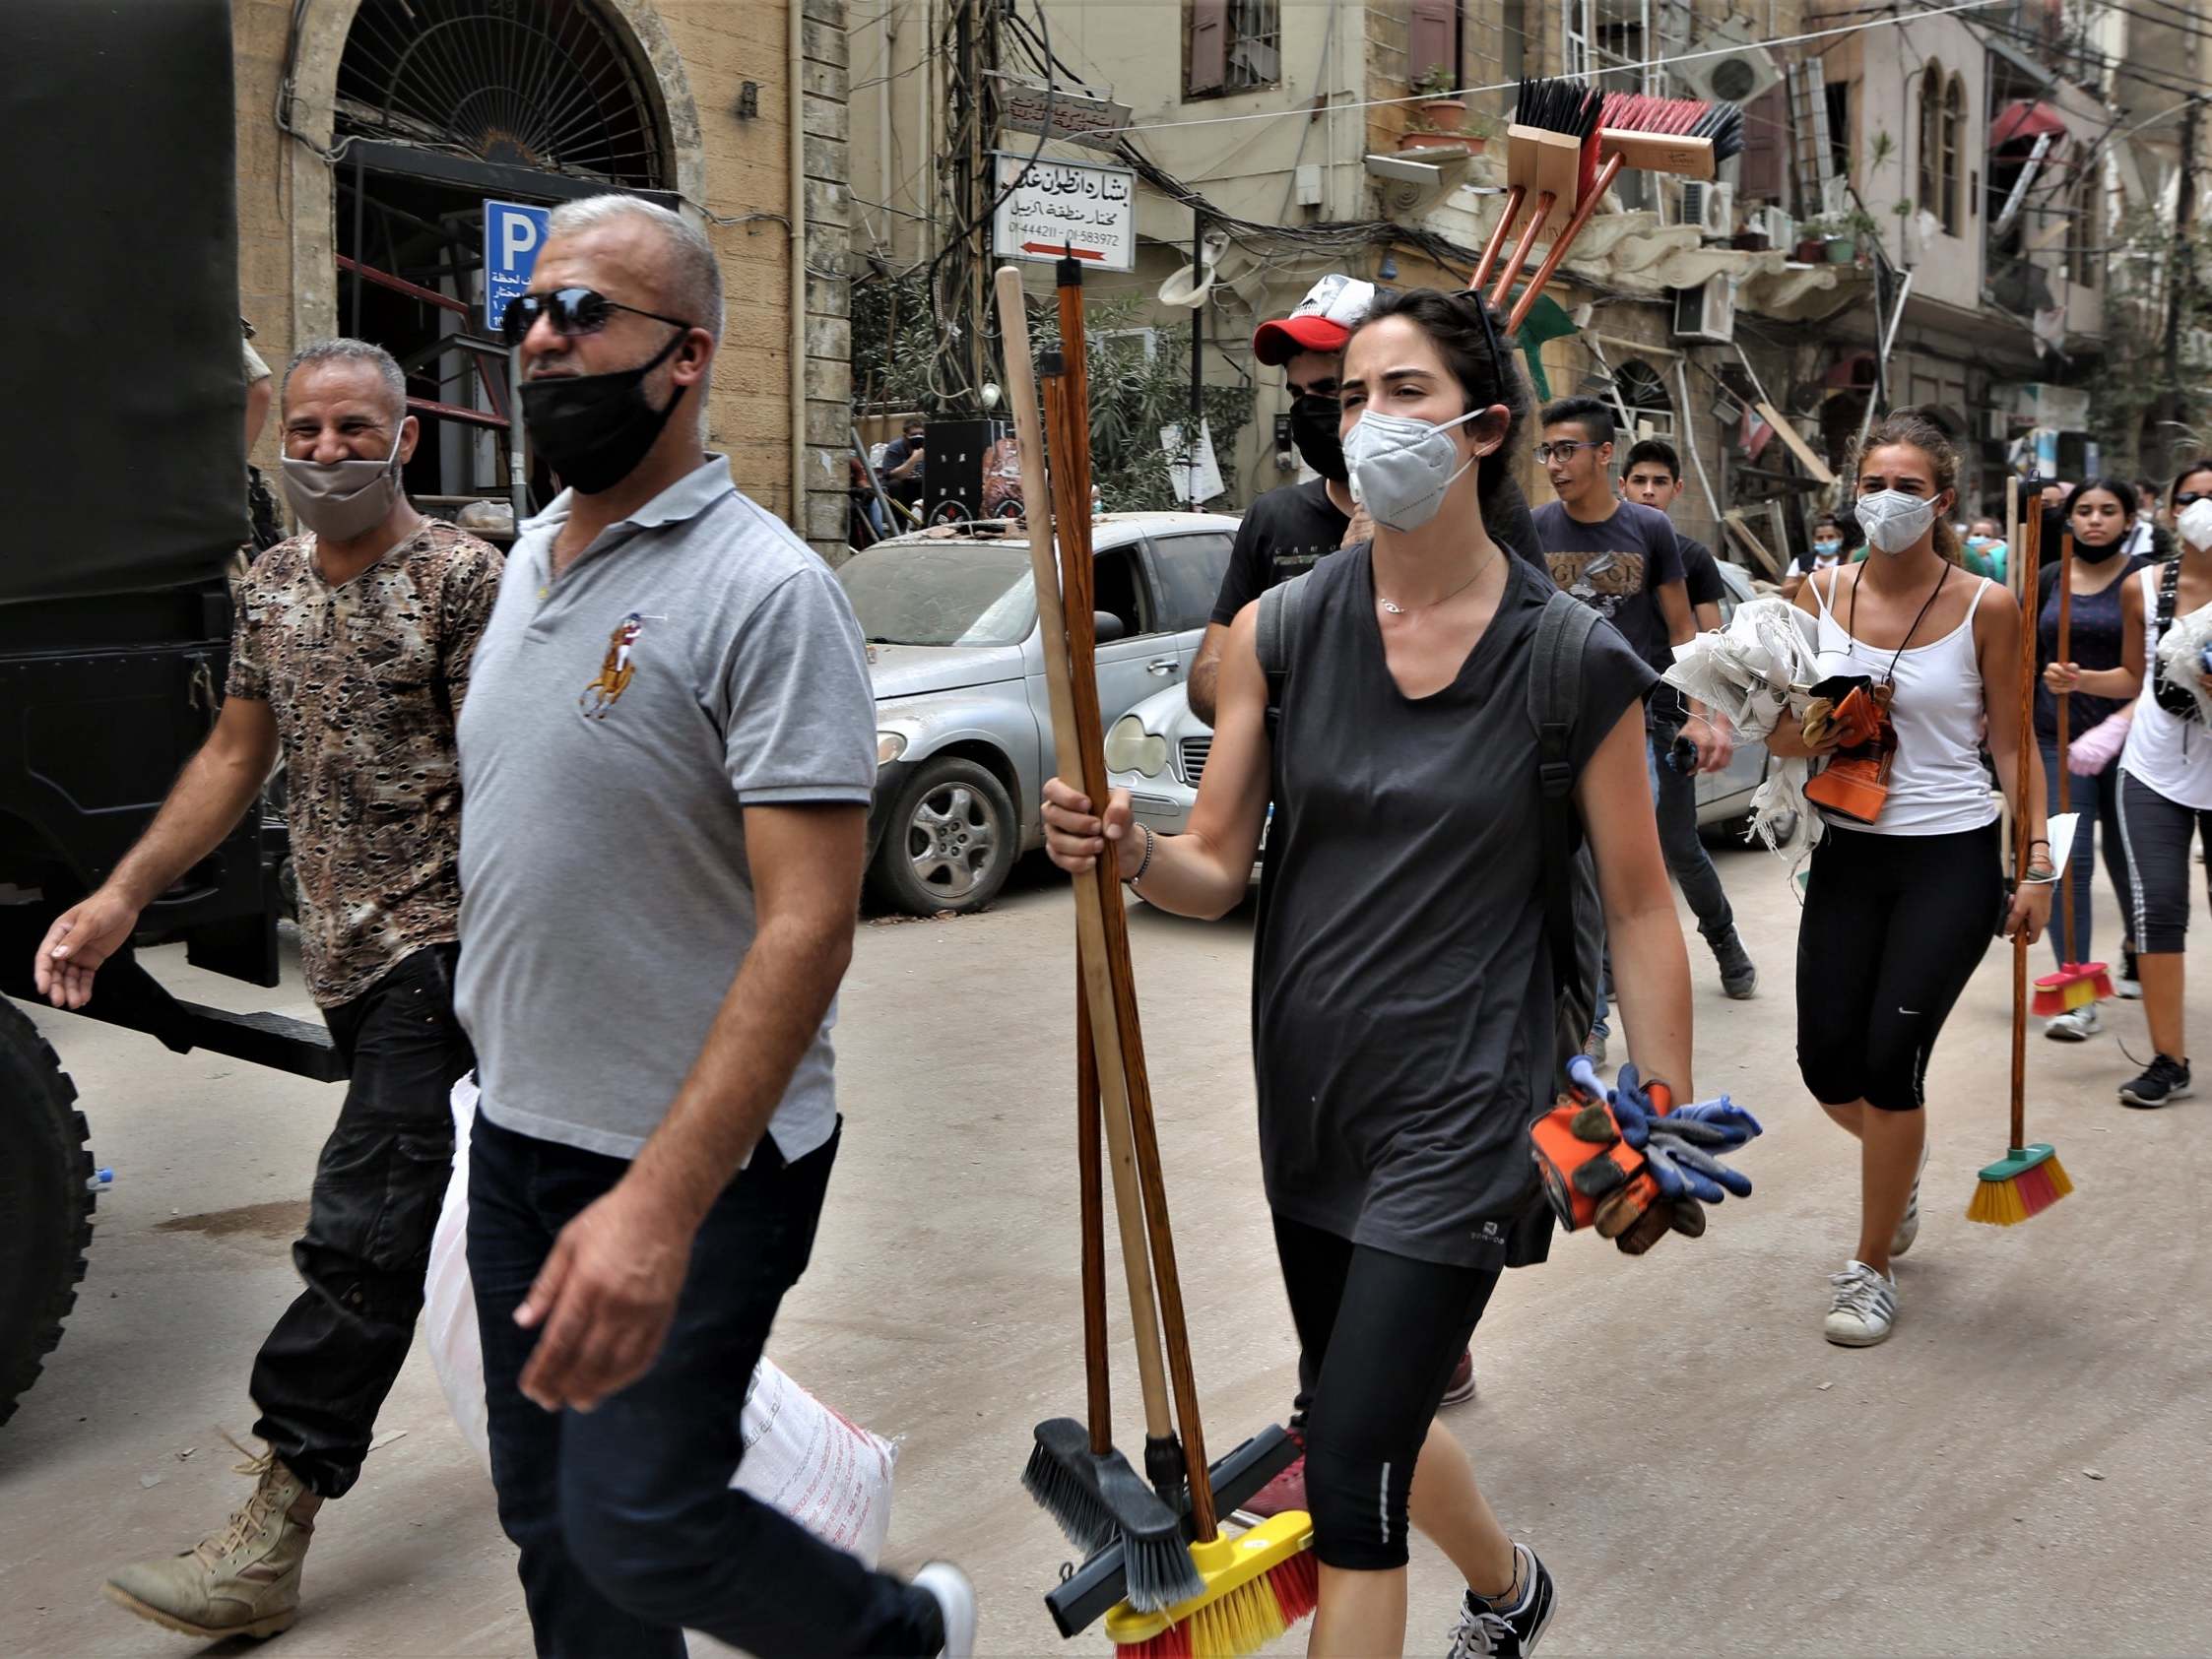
x=2018, y=1471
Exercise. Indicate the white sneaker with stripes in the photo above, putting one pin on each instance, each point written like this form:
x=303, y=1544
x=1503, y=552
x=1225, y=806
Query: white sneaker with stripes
x=1863, y=1309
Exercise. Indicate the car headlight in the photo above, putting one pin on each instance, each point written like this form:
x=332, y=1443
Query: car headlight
x=1131, y=748
x=889, y=745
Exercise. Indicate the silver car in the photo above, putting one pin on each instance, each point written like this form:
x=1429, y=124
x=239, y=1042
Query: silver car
x=1157, y=751
x=963, y=739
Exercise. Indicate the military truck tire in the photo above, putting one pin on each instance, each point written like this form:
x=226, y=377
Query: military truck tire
x=46, y=1202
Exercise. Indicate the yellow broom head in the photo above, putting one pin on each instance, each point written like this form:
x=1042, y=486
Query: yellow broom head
x=1257, y=1584
x=2075, y=986
x=2024, y=1182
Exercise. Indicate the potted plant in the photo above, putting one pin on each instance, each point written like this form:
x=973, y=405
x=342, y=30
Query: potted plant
x=1812, y=241
x=1440, y=105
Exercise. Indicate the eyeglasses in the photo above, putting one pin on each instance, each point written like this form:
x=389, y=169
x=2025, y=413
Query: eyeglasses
x=1566, y=449
x=2191, y=497
x=571, y=311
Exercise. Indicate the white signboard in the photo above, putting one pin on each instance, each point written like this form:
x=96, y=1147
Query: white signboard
x=1077, y=116
x=1057, y=208
x=1197, y=476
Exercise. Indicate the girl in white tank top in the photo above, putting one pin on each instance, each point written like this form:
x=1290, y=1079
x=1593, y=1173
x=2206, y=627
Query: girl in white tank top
x=1900, y=911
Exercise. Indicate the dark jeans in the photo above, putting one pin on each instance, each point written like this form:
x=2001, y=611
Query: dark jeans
x=2096, y=799
x=1674, y=805
x=629, y=1530
x=324, y=1370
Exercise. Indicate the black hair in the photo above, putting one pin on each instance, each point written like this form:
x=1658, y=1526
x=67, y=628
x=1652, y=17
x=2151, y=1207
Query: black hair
x=1469, y=338
x=1592, y=415
x=1658, y=451
x=2202, y=463
x=2120, y=490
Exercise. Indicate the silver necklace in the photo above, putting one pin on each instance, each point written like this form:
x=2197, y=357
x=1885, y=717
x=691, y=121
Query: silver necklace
x=1397, y=610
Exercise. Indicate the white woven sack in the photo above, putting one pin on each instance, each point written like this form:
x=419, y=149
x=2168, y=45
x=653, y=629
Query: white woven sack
x=813, y=1464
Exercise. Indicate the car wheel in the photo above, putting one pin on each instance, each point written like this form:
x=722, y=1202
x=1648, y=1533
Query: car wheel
x=950, y=841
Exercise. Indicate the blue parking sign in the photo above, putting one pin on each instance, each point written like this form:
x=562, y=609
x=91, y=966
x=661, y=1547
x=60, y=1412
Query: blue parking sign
x=512, y=235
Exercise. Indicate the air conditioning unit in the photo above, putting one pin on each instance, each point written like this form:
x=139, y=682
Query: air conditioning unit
x=1706, y=312
x=1779, y=228
x=1738, y=72
x=1709, y=207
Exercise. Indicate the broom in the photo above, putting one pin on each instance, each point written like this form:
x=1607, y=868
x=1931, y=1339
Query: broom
x=1074, y=1472
x=2076, y=985
x=1642, y=132
x=1253, y=1585
x=1548, y=152
x=2027, y=1179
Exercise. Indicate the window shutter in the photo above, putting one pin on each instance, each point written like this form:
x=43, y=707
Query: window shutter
x=1761, y=172
x=1208, y=47
x=1432, y=39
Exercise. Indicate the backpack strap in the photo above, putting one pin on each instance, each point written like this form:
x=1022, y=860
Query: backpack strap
x=1555, y=686
x=1276, y=642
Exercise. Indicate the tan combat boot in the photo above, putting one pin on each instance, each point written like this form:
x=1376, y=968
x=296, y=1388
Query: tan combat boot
x=242, y=1581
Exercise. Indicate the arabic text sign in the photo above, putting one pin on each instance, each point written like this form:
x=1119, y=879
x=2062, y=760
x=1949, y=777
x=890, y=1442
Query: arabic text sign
x=1077, y=117
x=1059, y=207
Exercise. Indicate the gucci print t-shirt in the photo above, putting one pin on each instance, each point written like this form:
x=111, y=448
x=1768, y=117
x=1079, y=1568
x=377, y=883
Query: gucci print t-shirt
x=1617, y=568
x=364, y=680
x=697, y=659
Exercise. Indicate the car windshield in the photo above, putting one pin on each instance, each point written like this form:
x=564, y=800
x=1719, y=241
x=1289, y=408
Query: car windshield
x=941, y=592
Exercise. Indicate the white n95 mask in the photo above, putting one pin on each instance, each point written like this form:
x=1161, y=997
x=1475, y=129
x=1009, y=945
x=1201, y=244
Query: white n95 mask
x=2195, y=522
x=1893, y=520
x=1400, y=466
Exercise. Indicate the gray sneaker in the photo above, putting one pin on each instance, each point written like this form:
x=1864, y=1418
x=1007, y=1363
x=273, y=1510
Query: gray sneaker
x=242, y=1581
x=1739, y=980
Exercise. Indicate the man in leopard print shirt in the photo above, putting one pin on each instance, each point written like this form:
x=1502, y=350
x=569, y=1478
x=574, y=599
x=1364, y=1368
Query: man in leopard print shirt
x=350, y=653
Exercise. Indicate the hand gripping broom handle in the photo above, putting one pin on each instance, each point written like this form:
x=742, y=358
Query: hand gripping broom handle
x=1106, y=1059
x=1068, y=408
x=2032, y=535
x=1515, y=195
x=2065, y=701
x=1566, y=240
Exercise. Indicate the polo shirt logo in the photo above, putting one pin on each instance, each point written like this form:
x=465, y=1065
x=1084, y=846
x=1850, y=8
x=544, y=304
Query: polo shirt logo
x=615, y=672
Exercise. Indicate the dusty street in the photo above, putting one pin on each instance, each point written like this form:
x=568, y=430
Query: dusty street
x=2018, y=1471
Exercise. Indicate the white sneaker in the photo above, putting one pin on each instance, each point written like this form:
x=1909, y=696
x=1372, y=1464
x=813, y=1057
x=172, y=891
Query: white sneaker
x=1908, y=1225
x=2077, y=1025
x=1863, y=1309
x=955, y=1600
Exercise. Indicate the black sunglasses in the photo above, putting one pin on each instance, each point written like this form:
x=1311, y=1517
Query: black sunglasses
x=571, y=311
x=2191, y=497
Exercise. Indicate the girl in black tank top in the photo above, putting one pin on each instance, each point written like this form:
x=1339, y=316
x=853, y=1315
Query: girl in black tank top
x=1402, y=1018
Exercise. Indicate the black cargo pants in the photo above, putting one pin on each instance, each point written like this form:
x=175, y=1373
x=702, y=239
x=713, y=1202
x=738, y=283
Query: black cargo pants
x=324, y=1370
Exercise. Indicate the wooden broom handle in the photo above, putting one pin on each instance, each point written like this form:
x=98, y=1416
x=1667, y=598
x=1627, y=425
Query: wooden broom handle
x=1566, y=238
x=1068, y=408
x=1516, y=194
x=1097, y=1376
x=2065, y=701
x=1037, y=499
x=1522, y=248
x=2031, y=559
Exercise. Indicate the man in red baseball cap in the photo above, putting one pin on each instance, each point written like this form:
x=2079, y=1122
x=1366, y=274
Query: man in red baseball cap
x=1287, y=529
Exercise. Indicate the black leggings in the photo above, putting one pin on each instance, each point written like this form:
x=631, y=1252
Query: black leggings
x=2155, y=834
x=1378, y=1336
x=1894, y=926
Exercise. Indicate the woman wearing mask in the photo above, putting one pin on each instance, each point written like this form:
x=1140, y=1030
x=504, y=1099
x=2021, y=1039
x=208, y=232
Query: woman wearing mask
x=2166, y=791
x=1897, y=910
x=2104, y=669
x=1824, y=553
x=1985, y=549
x=1406, y=878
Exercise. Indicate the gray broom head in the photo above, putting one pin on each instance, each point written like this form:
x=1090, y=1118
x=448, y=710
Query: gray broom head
x=1096, y=1498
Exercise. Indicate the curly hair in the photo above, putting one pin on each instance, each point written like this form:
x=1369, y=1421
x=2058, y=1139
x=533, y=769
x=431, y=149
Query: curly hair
x=1917, y=432
x=1472, y=342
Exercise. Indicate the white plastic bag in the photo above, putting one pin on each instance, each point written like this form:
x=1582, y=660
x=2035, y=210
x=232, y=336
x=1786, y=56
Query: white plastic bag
x=825, y=1472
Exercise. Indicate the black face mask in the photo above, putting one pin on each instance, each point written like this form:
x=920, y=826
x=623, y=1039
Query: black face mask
x=2091, y=553
x=593, y=429
x=1313, y=428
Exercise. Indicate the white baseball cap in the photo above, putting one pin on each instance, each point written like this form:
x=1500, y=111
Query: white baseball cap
x=1320, y=322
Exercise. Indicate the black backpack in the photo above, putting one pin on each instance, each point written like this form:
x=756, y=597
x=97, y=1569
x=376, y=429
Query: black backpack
x=1574, y=923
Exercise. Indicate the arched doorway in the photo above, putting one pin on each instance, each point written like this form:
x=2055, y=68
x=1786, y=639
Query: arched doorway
x=422, y=110
x=1641, y=400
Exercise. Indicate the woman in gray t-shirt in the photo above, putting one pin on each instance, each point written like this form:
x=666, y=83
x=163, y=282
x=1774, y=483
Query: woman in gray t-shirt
x=1402, y=1019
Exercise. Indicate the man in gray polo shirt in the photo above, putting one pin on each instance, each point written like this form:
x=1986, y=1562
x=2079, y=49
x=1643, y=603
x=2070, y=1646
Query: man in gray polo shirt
x=667, y=757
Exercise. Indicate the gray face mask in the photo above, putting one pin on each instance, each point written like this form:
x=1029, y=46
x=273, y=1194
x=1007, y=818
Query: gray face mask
x=341, y=500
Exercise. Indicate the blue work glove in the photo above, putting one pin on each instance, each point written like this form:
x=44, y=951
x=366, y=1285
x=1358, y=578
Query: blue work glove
x=1723, y=1114
x=1687, y=1171
x=1632, y=1107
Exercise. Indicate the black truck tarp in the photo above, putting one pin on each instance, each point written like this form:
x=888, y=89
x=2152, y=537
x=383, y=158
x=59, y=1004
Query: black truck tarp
x=120, y=460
